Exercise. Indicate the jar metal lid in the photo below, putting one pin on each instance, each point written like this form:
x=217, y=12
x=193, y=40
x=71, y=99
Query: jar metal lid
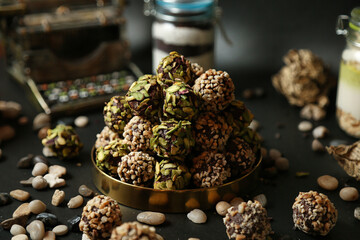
x=182, y=10
x=355, y=19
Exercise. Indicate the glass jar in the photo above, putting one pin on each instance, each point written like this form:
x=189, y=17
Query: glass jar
x=348, y=92
x=185, y=26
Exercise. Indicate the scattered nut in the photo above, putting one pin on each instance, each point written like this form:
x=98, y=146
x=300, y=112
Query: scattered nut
x=320, y=132
x=349, y=194
x=58, y=197
x=39, y=183
x=54, y=181
x=27, y=182
x=43, y=132
x=357, y=213
x=328, y=182
x=81, y=121
x=305, y=126
x=261, y=198
x=282, y=164
x=197, y=216
x=254, y=125
x=85, y=191
x=20, y=195
x=22, y=210
x=41, y=120
x=39, y=169
x=222, y=207
x=37, y=206
x=57, y=170
x=75, y=202
x=317, y=146
x=6, y=133
x=312, y=112
x=151, y=218
x=236, y=201
x=274, y=153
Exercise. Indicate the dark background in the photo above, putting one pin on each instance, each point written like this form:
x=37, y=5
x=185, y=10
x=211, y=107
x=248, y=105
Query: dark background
x=261, y=32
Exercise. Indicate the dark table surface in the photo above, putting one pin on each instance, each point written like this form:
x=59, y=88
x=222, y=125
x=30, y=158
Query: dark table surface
x=250, y=66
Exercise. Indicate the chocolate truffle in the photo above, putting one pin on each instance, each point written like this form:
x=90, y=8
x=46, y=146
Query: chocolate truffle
x=105, y=136
x=63, y=142
x=196, y=71
x=314, y=213
x=145, y=97
x=117, y=113
x=210, y=169
x=173, y=175
x=215, y=89
x=172, y=139
x=247, y=221
x=100, y=215
x=137, y=134
x=240, y=156
x=238, y=116
x=134, y=231
x=137, y=168
x=109, y=156
x=211, y=132
x=252, y=137
x=180, y=102
x=174, y=66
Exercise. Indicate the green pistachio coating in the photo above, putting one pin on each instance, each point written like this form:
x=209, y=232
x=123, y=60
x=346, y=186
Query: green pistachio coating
x=145, y=97
x=174, y=66
x=180, y=102
x=172, y=139
x=117, y=113
x=238, y=116
x=171, y=175
x=109, y=156
x=252, y=138
x=63, y=142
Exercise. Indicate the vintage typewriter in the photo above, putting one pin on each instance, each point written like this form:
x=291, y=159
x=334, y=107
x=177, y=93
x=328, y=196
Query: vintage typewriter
x=70, y=54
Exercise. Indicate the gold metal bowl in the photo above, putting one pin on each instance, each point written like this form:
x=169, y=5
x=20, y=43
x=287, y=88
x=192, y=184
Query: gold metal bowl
x=173, y=201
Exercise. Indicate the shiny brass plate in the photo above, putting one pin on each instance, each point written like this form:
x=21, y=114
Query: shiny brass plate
x=172, y=201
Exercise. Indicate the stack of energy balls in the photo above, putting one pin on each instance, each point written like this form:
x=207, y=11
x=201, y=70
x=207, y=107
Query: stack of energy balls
x=181, y=128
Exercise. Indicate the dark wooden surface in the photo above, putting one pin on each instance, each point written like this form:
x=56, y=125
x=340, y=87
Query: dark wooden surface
x=262, y=32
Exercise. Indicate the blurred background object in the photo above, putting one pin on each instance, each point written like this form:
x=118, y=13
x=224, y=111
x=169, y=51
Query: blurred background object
x=70, y=54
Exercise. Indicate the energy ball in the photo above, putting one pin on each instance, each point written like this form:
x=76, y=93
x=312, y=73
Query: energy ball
x=215, y=89
x=105, y=136
x=210, y=169
x=137, y=134
x=100, y=215
x=63, y=142
x=117, y=113
x=252, y=137
x=137, y=168
x=172, y=139
x=173, y=175
x=109, y=156
x=134, y=231
x=196, y=71
x=211, y=132
x=174, y=66
x=180, y=102
x=314, y=213
x=247, y=221
x=238, y=116
x=145, y=97
x=240, y=156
